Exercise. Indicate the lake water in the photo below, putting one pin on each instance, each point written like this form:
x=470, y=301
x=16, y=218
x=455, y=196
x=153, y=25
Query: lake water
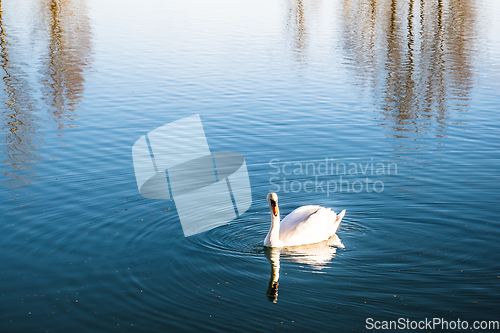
x=404, y=93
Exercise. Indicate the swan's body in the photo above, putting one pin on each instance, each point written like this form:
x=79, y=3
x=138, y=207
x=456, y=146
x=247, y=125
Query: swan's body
x=305, y=225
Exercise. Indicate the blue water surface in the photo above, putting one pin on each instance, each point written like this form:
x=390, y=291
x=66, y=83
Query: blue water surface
x=402, y=93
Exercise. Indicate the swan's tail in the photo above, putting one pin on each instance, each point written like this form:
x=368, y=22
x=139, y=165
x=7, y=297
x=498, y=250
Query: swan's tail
x=336, y=224
x=339, y=217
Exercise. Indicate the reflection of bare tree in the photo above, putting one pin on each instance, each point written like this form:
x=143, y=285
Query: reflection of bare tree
x=415, y=54
x=297, y=24
x=69, y=48
x=69, y=55
x=20, y=124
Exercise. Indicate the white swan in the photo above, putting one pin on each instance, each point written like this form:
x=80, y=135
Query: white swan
x=305, y=225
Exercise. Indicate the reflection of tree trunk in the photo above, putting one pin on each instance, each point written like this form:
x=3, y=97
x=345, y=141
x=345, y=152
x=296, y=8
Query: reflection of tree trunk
x=69, y=53
x=21, y=141
x=298, y=25
x=68, y=56
x=424, y=75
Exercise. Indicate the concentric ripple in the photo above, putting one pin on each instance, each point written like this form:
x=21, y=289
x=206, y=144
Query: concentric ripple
x=242, y=237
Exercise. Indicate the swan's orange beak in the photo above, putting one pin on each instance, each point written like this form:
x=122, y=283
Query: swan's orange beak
x=275, y=210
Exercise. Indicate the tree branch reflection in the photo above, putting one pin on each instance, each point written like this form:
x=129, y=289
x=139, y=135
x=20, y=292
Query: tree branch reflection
x=69, y=56
x=66, y=31
x=20, y=119
x=419, y=69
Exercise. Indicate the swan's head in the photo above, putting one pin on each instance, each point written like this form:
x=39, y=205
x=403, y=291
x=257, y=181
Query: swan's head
x=272, y=200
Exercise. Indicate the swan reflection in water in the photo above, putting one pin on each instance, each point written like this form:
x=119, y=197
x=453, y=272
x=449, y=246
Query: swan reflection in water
x=316, y=256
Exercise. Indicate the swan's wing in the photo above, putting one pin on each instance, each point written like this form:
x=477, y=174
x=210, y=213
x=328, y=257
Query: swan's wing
x=308, y=224
x=299, y=215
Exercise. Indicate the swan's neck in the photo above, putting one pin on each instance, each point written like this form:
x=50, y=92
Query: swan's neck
x=274, y=232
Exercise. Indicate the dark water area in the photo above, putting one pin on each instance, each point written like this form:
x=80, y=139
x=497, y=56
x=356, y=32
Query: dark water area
x=388, y=109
